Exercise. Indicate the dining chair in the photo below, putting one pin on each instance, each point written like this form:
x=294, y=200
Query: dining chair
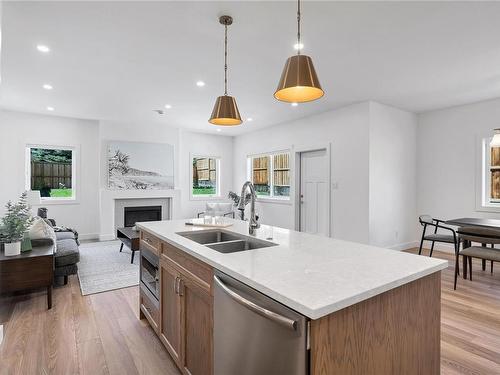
x=485, y=236
x=428, y=222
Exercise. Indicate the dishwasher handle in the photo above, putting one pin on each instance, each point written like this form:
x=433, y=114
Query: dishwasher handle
x=275, y=317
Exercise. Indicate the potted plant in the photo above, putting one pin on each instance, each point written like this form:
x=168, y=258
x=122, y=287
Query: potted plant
x=16, y=223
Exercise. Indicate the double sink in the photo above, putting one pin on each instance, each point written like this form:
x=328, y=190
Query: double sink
x=226, y=242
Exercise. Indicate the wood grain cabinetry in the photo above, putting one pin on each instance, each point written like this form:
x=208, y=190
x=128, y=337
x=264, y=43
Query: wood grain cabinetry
x=197, y=327
x=170, y=309
x=185, y=316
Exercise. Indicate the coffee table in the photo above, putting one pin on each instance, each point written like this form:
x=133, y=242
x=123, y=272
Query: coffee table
x=130, y=238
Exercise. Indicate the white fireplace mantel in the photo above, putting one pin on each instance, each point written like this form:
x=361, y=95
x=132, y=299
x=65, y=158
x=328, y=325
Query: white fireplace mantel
x=107, y=200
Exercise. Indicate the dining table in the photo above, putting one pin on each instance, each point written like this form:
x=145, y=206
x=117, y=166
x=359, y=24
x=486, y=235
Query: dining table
x=474, y=222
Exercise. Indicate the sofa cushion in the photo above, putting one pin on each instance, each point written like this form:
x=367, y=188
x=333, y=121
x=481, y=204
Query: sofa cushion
x=41, y=230
x=67, y=252
x=65, y=235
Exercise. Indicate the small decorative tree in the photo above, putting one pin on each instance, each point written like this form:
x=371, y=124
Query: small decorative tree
x=17, y=219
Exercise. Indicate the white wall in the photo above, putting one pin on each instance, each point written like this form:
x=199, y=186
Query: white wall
x=447, y=158
x=18, y=130
x=346, y=129
x=393, y=142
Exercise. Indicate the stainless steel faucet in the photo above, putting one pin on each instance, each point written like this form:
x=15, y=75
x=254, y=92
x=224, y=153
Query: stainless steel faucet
x=253, y=224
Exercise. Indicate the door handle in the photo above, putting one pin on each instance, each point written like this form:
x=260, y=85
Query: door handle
x=271, y=315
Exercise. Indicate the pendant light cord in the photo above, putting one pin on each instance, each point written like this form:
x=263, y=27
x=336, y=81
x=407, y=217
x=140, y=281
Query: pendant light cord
x=298, y=27
x=225, y=59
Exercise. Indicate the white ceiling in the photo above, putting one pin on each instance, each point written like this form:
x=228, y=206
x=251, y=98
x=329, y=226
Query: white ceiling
x=121, y=60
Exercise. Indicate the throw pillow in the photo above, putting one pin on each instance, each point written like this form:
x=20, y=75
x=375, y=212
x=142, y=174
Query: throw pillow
x=40, y=230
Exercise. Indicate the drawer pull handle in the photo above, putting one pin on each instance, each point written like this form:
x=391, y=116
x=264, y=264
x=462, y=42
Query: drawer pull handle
x=180, y=288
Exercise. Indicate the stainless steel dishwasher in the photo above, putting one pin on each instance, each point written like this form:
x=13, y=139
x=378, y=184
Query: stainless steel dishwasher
x=255, y=335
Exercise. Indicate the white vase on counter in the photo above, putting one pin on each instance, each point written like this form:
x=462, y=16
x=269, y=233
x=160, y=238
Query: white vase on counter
x=12, y=248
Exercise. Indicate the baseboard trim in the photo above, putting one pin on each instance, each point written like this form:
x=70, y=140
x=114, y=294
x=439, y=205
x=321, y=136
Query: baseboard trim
x=88, y=236
x=404, y=246
x=106, y=237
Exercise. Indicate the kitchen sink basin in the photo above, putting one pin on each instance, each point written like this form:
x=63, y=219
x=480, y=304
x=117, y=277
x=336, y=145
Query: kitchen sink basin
x=205, y=236
x=226, y=242
x=239, y=245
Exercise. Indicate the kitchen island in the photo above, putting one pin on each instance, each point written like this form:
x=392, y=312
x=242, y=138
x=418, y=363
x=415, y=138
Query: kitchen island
x=370, y=310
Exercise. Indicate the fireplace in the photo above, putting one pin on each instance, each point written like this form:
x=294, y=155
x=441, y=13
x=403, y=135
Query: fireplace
x=136, y=214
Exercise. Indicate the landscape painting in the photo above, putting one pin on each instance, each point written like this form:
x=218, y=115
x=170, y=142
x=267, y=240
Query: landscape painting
x=138, y=165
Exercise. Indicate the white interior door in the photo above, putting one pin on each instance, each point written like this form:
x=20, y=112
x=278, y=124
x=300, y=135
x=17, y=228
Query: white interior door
x=314, y=184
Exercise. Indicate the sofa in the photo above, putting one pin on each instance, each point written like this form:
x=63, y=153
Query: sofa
x=67, y=253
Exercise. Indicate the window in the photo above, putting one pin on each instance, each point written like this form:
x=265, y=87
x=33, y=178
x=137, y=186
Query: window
x=205, y=177
x=51, y=170
x=270, y=175
x=491, y=173
x=494, y=173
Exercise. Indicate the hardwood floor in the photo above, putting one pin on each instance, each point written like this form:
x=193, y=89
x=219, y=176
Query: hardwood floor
x=101, y=333
x=96, y=334
x=470, y=320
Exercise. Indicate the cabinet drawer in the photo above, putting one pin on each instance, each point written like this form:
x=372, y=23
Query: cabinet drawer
x=150, y=309
x=149, y=241
x=201, y=272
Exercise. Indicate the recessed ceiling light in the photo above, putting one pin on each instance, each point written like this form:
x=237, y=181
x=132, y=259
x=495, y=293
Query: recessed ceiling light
x=219, y=130
x=250, y=119
x=43, y=48
x=298, y=46
x=294, y=104
x=168, y=106
x=47, y=86
x=200, y=83
x=50, y=109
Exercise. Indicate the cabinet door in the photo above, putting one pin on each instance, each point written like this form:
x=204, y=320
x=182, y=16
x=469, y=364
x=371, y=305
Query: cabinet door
x=170, y=310
x=197, y=327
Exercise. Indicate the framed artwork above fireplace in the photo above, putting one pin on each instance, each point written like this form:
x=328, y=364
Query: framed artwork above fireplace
x=140, y=165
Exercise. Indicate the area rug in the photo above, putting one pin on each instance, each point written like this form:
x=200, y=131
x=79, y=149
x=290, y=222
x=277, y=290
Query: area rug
x=102, y=267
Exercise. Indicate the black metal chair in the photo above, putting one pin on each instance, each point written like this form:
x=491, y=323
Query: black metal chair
x=485, y=236
x=428, y=221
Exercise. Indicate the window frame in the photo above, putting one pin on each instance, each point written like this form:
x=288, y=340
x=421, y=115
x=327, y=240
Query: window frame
x=218, y=163
x=271, y=197
x=75, y=154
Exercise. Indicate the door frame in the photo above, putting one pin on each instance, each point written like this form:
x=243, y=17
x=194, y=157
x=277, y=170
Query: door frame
x=297, y=151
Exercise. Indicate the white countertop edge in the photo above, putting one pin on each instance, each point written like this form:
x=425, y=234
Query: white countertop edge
x=304, y=310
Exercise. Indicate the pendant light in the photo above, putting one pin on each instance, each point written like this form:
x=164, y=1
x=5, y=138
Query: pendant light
x=495, y=141
x=299, y=82
x=225, y=111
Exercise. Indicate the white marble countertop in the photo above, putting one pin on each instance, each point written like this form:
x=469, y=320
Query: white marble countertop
x=311, y=274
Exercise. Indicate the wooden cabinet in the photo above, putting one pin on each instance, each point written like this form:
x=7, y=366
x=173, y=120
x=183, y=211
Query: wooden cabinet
x=197, y=328
x=186, y=318
x=170, y=309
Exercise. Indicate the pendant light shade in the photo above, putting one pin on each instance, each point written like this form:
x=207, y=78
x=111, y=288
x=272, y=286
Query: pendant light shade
x=225, y=112
x=495, y=141
x=299, y=82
